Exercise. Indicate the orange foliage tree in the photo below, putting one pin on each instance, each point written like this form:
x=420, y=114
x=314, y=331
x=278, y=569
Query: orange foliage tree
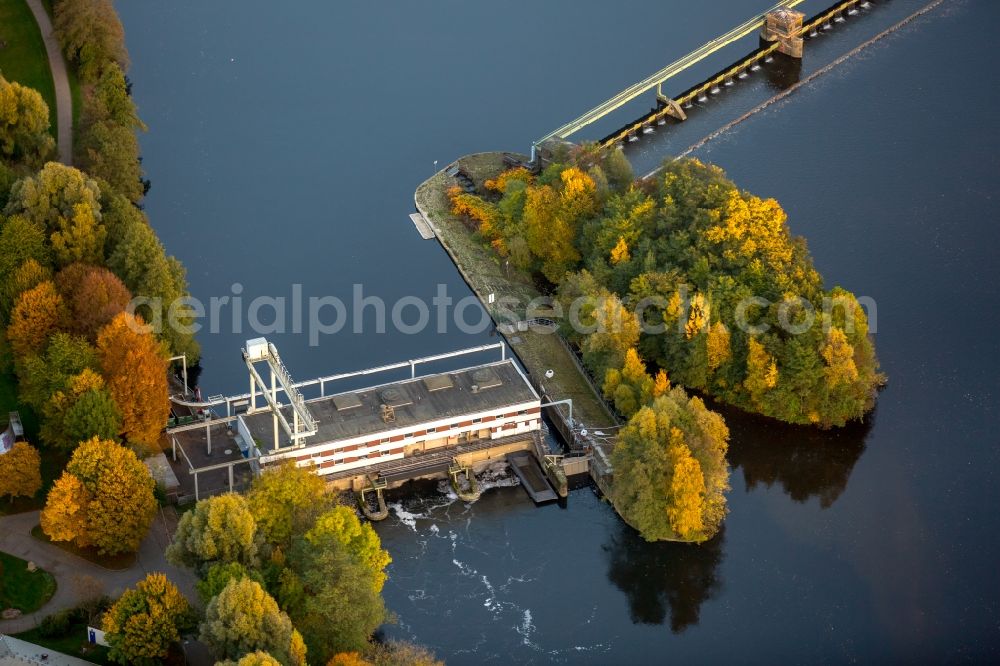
x=499, y=184
x=104, y=499
x=94, y=296
x=65, y=515
x=135, y=371
x=37, y=314
x=484, y=213
x=20, y=471
x=26, y=275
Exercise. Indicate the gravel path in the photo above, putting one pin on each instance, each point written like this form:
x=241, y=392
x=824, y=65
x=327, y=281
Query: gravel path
x=69, y=570
x=64, y=99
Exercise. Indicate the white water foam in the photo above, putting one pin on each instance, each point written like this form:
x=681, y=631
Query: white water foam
x=498, y=475
x=526, y=628
x=404, y=516
x=464, y=568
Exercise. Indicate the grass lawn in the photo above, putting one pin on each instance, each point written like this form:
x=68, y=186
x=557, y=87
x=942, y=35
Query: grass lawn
x=23, y=589
x=73, y=642
x=22, y=54
x=112, y=562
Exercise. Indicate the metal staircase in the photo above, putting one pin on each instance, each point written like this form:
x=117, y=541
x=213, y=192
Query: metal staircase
x=303, y=425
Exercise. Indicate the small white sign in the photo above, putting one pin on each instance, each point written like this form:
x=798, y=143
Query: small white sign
x=96, y=637
x=492, y=297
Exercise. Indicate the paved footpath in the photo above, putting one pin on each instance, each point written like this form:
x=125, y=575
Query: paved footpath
x=64, y=99
x=69, y=570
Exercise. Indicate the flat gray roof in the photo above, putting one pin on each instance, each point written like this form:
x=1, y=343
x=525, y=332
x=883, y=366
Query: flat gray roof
x=415, y=401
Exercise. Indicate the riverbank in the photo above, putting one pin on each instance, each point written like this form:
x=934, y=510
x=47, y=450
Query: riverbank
x=539, y=348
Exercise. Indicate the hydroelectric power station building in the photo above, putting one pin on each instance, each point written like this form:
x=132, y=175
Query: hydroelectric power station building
x=388, y=433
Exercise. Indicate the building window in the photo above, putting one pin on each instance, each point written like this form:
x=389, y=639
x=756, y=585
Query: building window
x=522, y=412
x=477, y=420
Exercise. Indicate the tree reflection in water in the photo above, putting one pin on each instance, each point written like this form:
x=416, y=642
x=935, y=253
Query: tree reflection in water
x=807, y=462
x=664, y=579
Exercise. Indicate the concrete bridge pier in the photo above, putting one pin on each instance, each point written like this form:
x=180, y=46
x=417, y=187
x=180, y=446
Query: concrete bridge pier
x=785, y=27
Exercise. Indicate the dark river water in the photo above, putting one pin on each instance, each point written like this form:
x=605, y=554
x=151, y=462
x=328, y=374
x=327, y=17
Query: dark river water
x=285, y=143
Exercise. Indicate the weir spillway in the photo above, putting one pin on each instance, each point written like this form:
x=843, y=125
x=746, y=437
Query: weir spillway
x=782, y=31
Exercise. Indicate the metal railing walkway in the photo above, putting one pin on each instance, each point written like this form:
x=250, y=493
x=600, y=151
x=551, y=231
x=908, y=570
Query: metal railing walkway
x=674, y=68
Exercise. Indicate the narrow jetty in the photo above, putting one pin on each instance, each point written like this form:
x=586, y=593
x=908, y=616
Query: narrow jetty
x=423, y=228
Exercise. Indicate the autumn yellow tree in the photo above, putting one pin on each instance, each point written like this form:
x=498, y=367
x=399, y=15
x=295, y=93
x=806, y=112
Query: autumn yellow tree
x=38, y=313
x=79, y=237
x=578, y=197
x=51, y=196
x=550, y=231
x=135, y=371
x=286, y=500
x=244, y=618
x=670, y=469
x=24, y=124
x=220, y=529
x=499, y=184
x=65, y=516
x=104, y=499
x=698, y=314
x=687, y=489
x=257, y=658
x=20, y=279
x=145, y=621
x=718, y=345
x=839, y=356
x=661, y=383
x=620, y=252
x=341, y=525
x=616, y=330
x=20, y=471
x=339, y=559
x=762, y=371
x=705, y=252
x=631, y=387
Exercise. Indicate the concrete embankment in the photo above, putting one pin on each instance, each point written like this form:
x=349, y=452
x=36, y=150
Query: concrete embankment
x=539, y=348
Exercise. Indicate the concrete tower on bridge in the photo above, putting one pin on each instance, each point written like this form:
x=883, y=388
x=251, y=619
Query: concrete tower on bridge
x=785, y=27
